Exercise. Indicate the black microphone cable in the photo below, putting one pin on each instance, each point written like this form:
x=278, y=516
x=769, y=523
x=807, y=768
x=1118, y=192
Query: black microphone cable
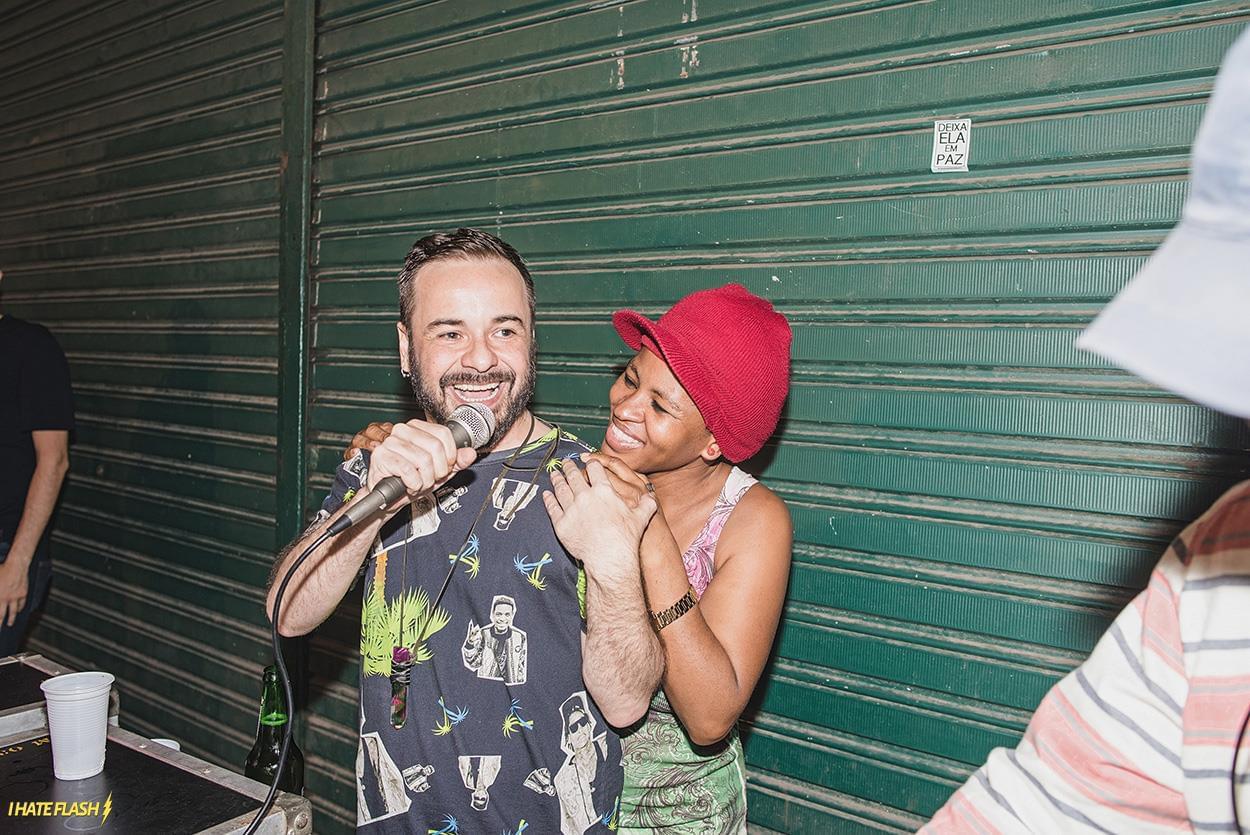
x=286, y=682
x=471, y=426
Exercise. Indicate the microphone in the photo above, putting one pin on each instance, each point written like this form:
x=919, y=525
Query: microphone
x=471, y=425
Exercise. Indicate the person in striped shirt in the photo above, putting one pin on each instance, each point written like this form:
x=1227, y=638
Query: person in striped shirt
x=1149, y=733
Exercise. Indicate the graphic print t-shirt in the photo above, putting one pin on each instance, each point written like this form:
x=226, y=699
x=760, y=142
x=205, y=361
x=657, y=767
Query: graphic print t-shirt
x=495, y=732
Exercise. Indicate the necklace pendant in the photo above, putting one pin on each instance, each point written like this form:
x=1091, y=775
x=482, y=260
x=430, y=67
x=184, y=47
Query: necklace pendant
x=401, y=676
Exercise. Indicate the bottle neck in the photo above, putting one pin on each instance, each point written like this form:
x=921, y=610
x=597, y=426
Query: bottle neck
x=273, y=714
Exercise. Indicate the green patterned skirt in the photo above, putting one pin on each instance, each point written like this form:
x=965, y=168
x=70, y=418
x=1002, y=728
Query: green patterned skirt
x=673, y=786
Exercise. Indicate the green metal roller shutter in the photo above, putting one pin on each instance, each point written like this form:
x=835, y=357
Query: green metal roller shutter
x=974, y=499
x=138, y=220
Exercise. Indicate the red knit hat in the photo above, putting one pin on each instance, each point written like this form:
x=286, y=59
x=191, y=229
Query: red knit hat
x=731, y=353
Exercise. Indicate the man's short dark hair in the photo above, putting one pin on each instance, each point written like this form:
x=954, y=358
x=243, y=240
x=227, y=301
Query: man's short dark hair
x=462, y=243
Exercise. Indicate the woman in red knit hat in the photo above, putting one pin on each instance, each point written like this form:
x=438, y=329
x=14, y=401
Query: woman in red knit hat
x=703, y=392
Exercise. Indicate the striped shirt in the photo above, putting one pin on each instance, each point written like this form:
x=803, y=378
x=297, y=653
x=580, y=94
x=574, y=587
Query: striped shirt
x=1140, y=738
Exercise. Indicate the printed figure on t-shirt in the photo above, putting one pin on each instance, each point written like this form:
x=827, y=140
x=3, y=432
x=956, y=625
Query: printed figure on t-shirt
x=380, y=786
x=584, y=752
x=498, y=651
x=510, y=497
x=478, y=774
x=449, y=497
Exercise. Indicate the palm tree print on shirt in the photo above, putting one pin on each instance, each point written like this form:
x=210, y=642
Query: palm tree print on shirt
x=404, y=622
x=450, y=826
x=532, y=569
x=451, y=718
x=468, y=556
x=514, y=722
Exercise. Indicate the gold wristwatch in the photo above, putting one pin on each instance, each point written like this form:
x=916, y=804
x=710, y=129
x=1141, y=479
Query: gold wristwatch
x=672, y=613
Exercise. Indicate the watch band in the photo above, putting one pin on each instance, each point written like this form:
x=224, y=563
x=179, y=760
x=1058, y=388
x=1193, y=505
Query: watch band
x=672, y=613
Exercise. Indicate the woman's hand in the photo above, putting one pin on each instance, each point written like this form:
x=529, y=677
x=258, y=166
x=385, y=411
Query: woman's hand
x=369, y=438
x=594, y=522
x=631, y=486
x=628, y=484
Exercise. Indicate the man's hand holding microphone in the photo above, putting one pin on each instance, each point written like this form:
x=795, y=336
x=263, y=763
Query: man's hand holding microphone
x=417, y=457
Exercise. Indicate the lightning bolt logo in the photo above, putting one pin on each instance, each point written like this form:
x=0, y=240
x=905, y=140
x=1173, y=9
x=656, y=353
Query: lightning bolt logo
x=108, y=807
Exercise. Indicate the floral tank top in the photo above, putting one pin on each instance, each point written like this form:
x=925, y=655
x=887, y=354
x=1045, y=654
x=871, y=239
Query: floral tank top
x=672, y=785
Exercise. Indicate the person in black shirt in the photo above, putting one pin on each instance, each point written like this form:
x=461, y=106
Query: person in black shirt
x=36, y=417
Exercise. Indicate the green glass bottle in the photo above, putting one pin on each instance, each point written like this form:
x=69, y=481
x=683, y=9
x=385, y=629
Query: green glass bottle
x=262, y=761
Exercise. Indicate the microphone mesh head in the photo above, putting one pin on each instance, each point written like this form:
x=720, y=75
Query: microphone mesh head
x=479, y=420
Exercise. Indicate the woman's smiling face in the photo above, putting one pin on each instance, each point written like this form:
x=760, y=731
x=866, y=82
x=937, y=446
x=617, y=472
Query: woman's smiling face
x=654, y=424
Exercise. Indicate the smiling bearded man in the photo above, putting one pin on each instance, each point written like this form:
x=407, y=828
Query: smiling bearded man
x=451, y=687
x=496, y=388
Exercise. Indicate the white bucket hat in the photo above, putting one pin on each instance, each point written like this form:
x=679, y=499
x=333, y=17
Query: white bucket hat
x=1183, y=322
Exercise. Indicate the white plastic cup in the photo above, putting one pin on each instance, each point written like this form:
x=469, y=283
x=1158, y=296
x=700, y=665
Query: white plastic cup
x=168, y=743
x=78, y=706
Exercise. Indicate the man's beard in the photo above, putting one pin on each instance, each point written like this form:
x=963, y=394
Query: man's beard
x=434, y=403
